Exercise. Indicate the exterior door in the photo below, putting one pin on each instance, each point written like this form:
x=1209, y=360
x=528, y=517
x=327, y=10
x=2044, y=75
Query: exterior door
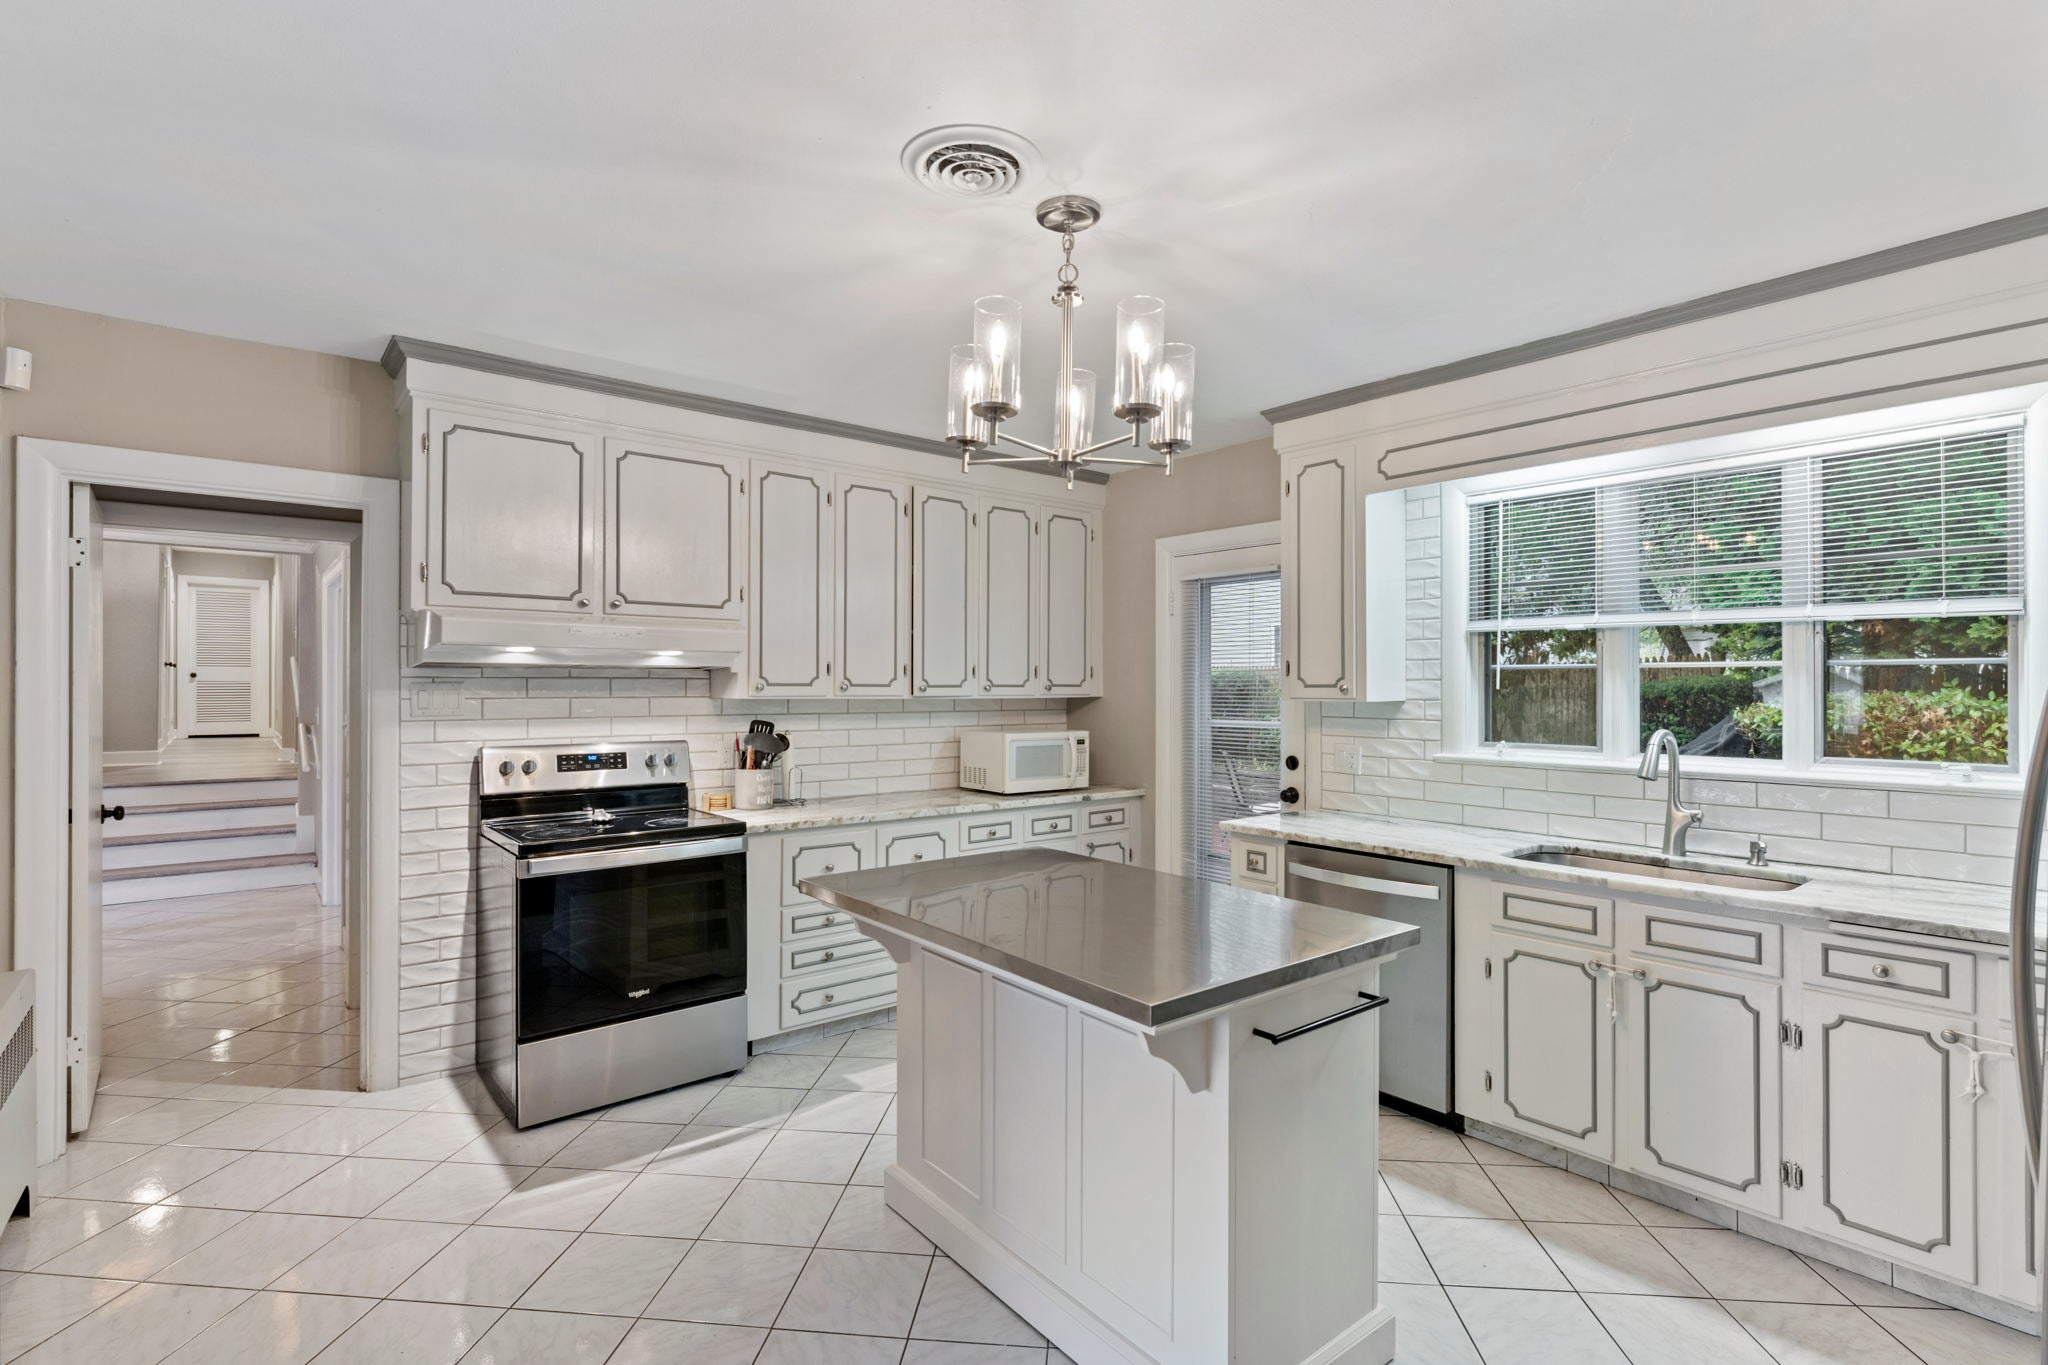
x=1317, y=543
x=944, y=528
x=1697, y=1083
x=1009, y=554
x=511, y=515
x=872, y=587
x=1067, y=587
x=1553, y=1045
x=1882, y=1134
x=88, y=665
x=790, y=640
x=224, y=656
x=674, y=528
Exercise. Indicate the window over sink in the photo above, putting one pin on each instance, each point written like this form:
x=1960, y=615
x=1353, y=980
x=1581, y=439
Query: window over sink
x=1798, y=599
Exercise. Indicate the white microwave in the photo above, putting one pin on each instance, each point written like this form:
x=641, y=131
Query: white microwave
x=1016, y=761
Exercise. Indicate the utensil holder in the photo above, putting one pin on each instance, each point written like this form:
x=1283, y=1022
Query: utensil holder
x=753, y=788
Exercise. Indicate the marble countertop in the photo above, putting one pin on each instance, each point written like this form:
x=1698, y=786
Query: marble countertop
x=1960, y=910
x=868, y=810
x=1145, y=946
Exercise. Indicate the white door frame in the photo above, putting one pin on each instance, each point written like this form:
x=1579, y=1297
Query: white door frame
x=44, y=473
x=330, y=736
x=263, y=685
x=1173, y=556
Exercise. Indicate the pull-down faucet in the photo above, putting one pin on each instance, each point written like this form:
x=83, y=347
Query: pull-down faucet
x=1678, y=817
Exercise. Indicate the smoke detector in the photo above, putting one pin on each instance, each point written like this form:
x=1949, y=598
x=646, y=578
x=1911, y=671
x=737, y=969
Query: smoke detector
x=970, y=161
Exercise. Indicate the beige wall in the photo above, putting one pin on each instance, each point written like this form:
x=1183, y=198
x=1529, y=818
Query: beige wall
x=105, y=381
x=1237, y=486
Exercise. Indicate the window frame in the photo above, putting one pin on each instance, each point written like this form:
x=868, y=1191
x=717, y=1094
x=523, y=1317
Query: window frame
x=1619, y=660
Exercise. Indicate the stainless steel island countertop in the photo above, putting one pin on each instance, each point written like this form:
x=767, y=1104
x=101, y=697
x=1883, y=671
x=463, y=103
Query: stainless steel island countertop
x=1145, y=946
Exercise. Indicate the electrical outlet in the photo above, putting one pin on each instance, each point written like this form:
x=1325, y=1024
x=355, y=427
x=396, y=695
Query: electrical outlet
x=436, y=700
x=1348, y=757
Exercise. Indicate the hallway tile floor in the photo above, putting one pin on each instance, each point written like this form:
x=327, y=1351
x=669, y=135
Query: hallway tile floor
x=238, y=1200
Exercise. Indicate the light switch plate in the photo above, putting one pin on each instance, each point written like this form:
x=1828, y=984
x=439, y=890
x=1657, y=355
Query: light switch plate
x=436, y=700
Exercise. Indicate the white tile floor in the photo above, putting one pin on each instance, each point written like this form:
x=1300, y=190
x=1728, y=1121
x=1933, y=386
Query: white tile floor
x=237, y=1200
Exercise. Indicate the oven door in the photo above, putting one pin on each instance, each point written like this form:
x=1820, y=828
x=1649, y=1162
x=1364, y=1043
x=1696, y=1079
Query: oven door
x=1035, y=764
x=622, y=933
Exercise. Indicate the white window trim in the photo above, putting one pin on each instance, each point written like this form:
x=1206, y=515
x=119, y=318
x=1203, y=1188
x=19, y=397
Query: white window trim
x=1202, y=554
x=1617, y=751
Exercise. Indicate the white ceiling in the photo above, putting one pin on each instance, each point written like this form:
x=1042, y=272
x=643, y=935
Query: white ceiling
x=707, y=195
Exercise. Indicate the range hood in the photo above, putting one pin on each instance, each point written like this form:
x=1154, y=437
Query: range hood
x=483, y=638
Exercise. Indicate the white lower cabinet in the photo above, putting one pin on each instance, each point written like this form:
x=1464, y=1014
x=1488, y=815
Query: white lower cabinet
x=1697, y=1061
x=1882, y=1137
x=809, y=964
x=1553, y=1071
x=1813, y=1075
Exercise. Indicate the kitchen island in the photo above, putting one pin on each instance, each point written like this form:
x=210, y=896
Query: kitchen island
x=1141, y=1109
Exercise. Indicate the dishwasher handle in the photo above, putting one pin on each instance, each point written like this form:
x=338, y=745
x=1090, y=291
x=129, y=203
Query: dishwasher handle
x=1421, y=891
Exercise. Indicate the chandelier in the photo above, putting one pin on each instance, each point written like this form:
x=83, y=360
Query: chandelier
x=1154, y=387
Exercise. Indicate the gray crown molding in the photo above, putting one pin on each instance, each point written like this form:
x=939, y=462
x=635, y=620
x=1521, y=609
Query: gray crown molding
x=401, y=349
x=1962, y=242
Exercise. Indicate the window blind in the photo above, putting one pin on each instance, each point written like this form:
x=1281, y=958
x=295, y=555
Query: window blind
x=1230, y=711
x=1909, y=527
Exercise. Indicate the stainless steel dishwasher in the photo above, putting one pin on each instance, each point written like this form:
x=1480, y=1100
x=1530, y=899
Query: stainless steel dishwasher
x=1415, y=1025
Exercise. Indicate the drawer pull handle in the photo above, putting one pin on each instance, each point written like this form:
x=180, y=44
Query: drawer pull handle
x=917, y=857
x=1371, y=1002
x=829, y=955
x=1881, y=970
x=829, y=997
x=828, y=867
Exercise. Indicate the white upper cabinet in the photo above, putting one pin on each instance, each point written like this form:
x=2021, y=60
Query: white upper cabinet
x=1343, y=556
x=1068, y=622
x=1006, y=573
x=509, y=517
x=943, y=617
x=789, y=636
x=872, y=589
x=674, y=522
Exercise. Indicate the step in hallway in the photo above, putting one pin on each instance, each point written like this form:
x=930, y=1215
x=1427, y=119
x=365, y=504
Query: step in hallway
x=202, y=836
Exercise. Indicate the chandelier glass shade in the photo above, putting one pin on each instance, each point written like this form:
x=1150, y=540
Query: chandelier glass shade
x=1152, y=389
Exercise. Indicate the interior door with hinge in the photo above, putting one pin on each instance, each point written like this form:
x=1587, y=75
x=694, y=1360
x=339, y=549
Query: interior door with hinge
x=224, y=656
x=87, y=665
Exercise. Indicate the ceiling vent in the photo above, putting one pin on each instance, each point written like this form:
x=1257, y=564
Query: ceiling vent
x=970, y=161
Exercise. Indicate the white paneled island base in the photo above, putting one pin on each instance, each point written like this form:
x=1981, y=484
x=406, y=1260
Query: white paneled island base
x=1179, y=1190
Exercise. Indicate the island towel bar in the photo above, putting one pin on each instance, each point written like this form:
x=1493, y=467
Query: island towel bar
x=1372, y=1002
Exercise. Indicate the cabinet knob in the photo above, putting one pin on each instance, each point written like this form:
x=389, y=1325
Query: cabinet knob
x=1048, y=684
x=830, y=953
x=844, y=684
x=828, y=868
x=1881, y=970
x=988, y=687
x=921, y=686
x=582, y=601
x=917, y=857
x=829, y=997
x=617, y=602
x=760, y=687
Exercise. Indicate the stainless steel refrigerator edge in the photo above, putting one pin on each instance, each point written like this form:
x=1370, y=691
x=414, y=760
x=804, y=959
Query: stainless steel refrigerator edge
x=1415, y=1025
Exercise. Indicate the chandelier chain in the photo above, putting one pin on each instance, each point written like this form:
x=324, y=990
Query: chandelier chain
x=1069, y=273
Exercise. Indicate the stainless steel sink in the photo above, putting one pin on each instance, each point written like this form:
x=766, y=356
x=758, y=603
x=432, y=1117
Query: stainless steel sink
x=1656, y=865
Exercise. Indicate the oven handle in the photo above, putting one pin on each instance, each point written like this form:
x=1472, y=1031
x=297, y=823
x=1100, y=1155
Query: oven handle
x=603, y=859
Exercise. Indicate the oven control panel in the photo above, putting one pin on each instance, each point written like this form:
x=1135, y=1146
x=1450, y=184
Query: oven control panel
x=590, y=763
x=512, y=770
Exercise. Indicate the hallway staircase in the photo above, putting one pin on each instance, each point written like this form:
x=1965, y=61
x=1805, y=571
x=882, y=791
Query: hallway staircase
x=200, y=837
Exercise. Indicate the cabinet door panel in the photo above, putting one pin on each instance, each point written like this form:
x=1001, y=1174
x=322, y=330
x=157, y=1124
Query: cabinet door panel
x=1887, y=1143
x=511, y=515
x=1697, y=1084
x=943, y=637
x=1007, y=559
x=790, y=636
x=1317, y=538
x=673, y=532
x=873, y=587
x=1554, y=1059
x=1066, y=650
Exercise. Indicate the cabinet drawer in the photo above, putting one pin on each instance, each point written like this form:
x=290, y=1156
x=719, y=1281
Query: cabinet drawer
x=1109, y=817
x=995, y=831
x=814, y=921
x=923, y=842
x=1056, y=826
x=869, y=986
x=1718, y=941
x=1905, y=972
x=1553, y=910
x=1251, y=862
x=821, y=853
x=801, y=957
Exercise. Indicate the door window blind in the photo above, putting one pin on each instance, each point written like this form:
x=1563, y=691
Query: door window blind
x=1230, y=711
x=1907, y=527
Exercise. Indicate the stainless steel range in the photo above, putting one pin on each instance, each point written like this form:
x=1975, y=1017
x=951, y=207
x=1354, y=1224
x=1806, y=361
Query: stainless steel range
x=612, y=927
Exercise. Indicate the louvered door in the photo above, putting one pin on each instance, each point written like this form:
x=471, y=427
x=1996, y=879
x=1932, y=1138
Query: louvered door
x=223, y=656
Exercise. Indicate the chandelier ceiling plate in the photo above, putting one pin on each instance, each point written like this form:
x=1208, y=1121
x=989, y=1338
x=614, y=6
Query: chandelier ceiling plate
x=1068, y=213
